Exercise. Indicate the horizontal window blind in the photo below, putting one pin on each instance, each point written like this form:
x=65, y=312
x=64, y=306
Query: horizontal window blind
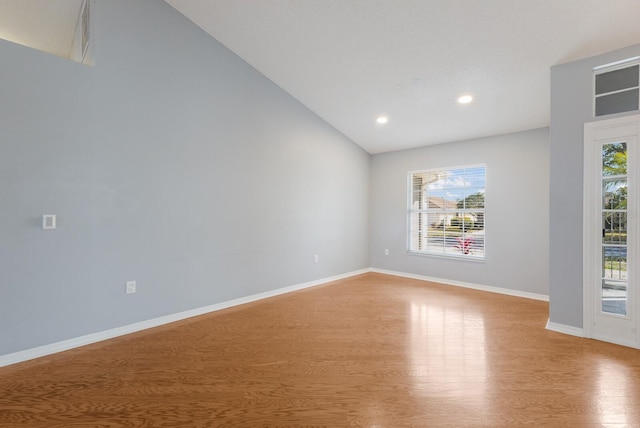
x=446, y=213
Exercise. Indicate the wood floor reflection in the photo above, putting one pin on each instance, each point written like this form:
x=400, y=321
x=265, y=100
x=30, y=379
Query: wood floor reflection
x=369, y=351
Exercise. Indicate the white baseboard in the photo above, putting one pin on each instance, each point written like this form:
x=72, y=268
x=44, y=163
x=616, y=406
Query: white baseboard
x=566, y=329
x=617, y=341
x=41, y=351
x=481, y=287
x=65, y=345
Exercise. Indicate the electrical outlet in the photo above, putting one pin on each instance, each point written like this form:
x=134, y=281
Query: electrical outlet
x=48, y=221
x=315, y=258
x=386, y=251
x=131, y=287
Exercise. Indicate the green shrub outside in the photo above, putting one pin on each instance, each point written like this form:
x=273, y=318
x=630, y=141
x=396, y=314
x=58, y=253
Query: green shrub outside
x=459, y=222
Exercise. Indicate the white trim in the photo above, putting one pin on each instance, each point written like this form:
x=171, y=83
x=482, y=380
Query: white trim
x=565, y=329
x=588, y=219
x=595, y=134
x=41, y=351
x=623, y=62
x=619, y=91
x=617, y=341
x=517, y=293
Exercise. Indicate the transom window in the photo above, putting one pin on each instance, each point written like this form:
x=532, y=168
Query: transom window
x=446, y=214
x=617, y=87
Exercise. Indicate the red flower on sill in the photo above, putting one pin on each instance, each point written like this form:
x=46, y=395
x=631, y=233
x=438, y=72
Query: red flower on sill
x=464, y=245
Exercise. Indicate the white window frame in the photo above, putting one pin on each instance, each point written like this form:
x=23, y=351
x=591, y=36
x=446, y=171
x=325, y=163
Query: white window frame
x=448, y=250
x=606, y=68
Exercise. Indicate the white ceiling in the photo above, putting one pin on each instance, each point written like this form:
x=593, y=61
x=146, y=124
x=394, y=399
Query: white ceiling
x=47, y=25
x=352, y=60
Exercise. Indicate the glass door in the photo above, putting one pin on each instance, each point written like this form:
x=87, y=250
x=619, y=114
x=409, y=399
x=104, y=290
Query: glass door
x=610, y=255
x=613, y=295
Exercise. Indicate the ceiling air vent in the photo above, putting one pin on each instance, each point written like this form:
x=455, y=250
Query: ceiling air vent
x=617, y=87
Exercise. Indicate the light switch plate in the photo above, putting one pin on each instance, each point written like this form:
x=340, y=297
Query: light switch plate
x=131, y=287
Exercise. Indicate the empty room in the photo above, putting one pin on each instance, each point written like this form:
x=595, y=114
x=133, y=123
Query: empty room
x=319, y=213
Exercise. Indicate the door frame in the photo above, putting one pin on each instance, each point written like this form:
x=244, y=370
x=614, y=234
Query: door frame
x=597, y=131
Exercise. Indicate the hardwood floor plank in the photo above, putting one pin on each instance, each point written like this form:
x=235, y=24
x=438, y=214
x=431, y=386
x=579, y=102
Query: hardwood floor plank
x=368, y=351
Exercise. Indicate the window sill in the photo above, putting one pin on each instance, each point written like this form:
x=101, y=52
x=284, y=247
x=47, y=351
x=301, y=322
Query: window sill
x=472, y=259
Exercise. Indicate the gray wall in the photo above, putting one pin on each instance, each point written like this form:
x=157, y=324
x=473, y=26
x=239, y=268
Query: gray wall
x=517, y=216
x=571, y=108
x=173, y=163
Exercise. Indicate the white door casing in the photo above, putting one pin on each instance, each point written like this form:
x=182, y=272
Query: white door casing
x=610, y=247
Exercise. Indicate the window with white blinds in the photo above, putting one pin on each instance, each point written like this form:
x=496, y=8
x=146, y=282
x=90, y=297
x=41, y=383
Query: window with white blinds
x=446, y=213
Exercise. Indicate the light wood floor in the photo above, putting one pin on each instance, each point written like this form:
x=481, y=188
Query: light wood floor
x=369, y=351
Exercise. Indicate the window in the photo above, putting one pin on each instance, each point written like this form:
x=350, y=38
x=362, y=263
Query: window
x=446, y=214
x=617, y=87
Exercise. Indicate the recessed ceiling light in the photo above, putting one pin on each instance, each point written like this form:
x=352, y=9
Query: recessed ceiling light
x=382, y=120
x=465, y=99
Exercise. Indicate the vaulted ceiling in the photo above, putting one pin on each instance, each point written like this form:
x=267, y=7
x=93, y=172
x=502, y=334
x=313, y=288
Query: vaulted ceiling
x=47, y=25
x=351, y=61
